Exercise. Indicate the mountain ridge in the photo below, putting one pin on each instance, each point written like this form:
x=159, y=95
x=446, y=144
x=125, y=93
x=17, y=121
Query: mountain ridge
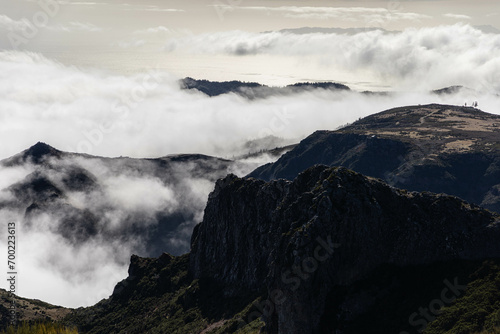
x=438, y=148
x=254, y=90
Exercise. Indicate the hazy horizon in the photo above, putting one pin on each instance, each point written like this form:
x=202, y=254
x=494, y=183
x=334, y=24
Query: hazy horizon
x=128, y=37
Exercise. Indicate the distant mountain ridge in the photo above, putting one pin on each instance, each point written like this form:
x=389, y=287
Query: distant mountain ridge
x=253, y=90
x=438, y=148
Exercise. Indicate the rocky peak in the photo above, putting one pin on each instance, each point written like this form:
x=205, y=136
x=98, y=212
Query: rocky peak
x=36, y=154
x=40, y=150
x=328, y=227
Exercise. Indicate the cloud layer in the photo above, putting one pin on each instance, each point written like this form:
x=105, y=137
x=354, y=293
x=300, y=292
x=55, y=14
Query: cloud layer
x=363, y=14
x=80, y=218
x=148, y=115
x=422, y=59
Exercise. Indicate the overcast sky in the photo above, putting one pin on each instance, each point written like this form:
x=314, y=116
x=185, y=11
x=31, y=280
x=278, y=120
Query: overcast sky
x=128, y=36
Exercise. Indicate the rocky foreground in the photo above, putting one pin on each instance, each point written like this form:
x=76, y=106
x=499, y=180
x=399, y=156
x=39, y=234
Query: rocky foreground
x=316, y=255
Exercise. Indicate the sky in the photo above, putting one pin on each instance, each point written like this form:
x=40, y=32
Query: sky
x=101, y=77
x=128, y=36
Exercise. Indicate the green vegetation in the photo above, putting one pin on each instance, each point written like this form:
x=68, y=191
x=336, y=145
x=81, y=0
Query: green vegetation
x=478, y=311
x=160, y=297
x=492, y=331
x=40, y=328
x=40, y=304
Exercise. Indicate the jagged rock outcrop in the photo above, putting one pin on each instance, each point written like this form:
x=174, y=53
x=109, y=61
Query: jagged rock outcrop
x=438, y=148
x=329, y=227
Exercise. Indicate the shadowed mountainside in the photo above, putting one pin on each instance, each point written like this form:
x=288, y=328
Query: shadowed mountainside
x=316, y=255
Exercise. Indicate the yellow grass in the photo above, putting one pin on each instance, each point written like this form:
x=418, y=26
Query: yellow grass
x=40, y=328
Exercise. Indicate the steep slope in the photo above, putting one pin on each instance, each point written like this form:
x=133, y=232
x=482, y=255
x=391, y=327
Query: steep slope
x=329, y=227
x=29, y=310
x=478, y=309
x=438, y=148
x=159, y=296
x=322, y=254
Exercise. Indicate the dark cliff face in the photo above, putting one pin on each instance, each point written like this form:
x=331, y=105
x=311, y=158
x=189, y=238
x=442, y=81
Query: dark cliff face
x=331, y=252
x=328, y=227
x=443, y=149
x=249, y=240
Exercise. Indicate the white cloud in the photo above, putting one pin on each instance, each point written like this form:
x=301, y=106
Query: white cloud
x=458, y=16
x=328, y=13
x=150, y=8
x=414, y=58
x=147, y=115
x=140, y=194
x=154, y=30
x=81, y=3
x=12, y=175
x=125, y=205
x=16, y=34
x=53, y=270
x=76, y=27
x=12, y=25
